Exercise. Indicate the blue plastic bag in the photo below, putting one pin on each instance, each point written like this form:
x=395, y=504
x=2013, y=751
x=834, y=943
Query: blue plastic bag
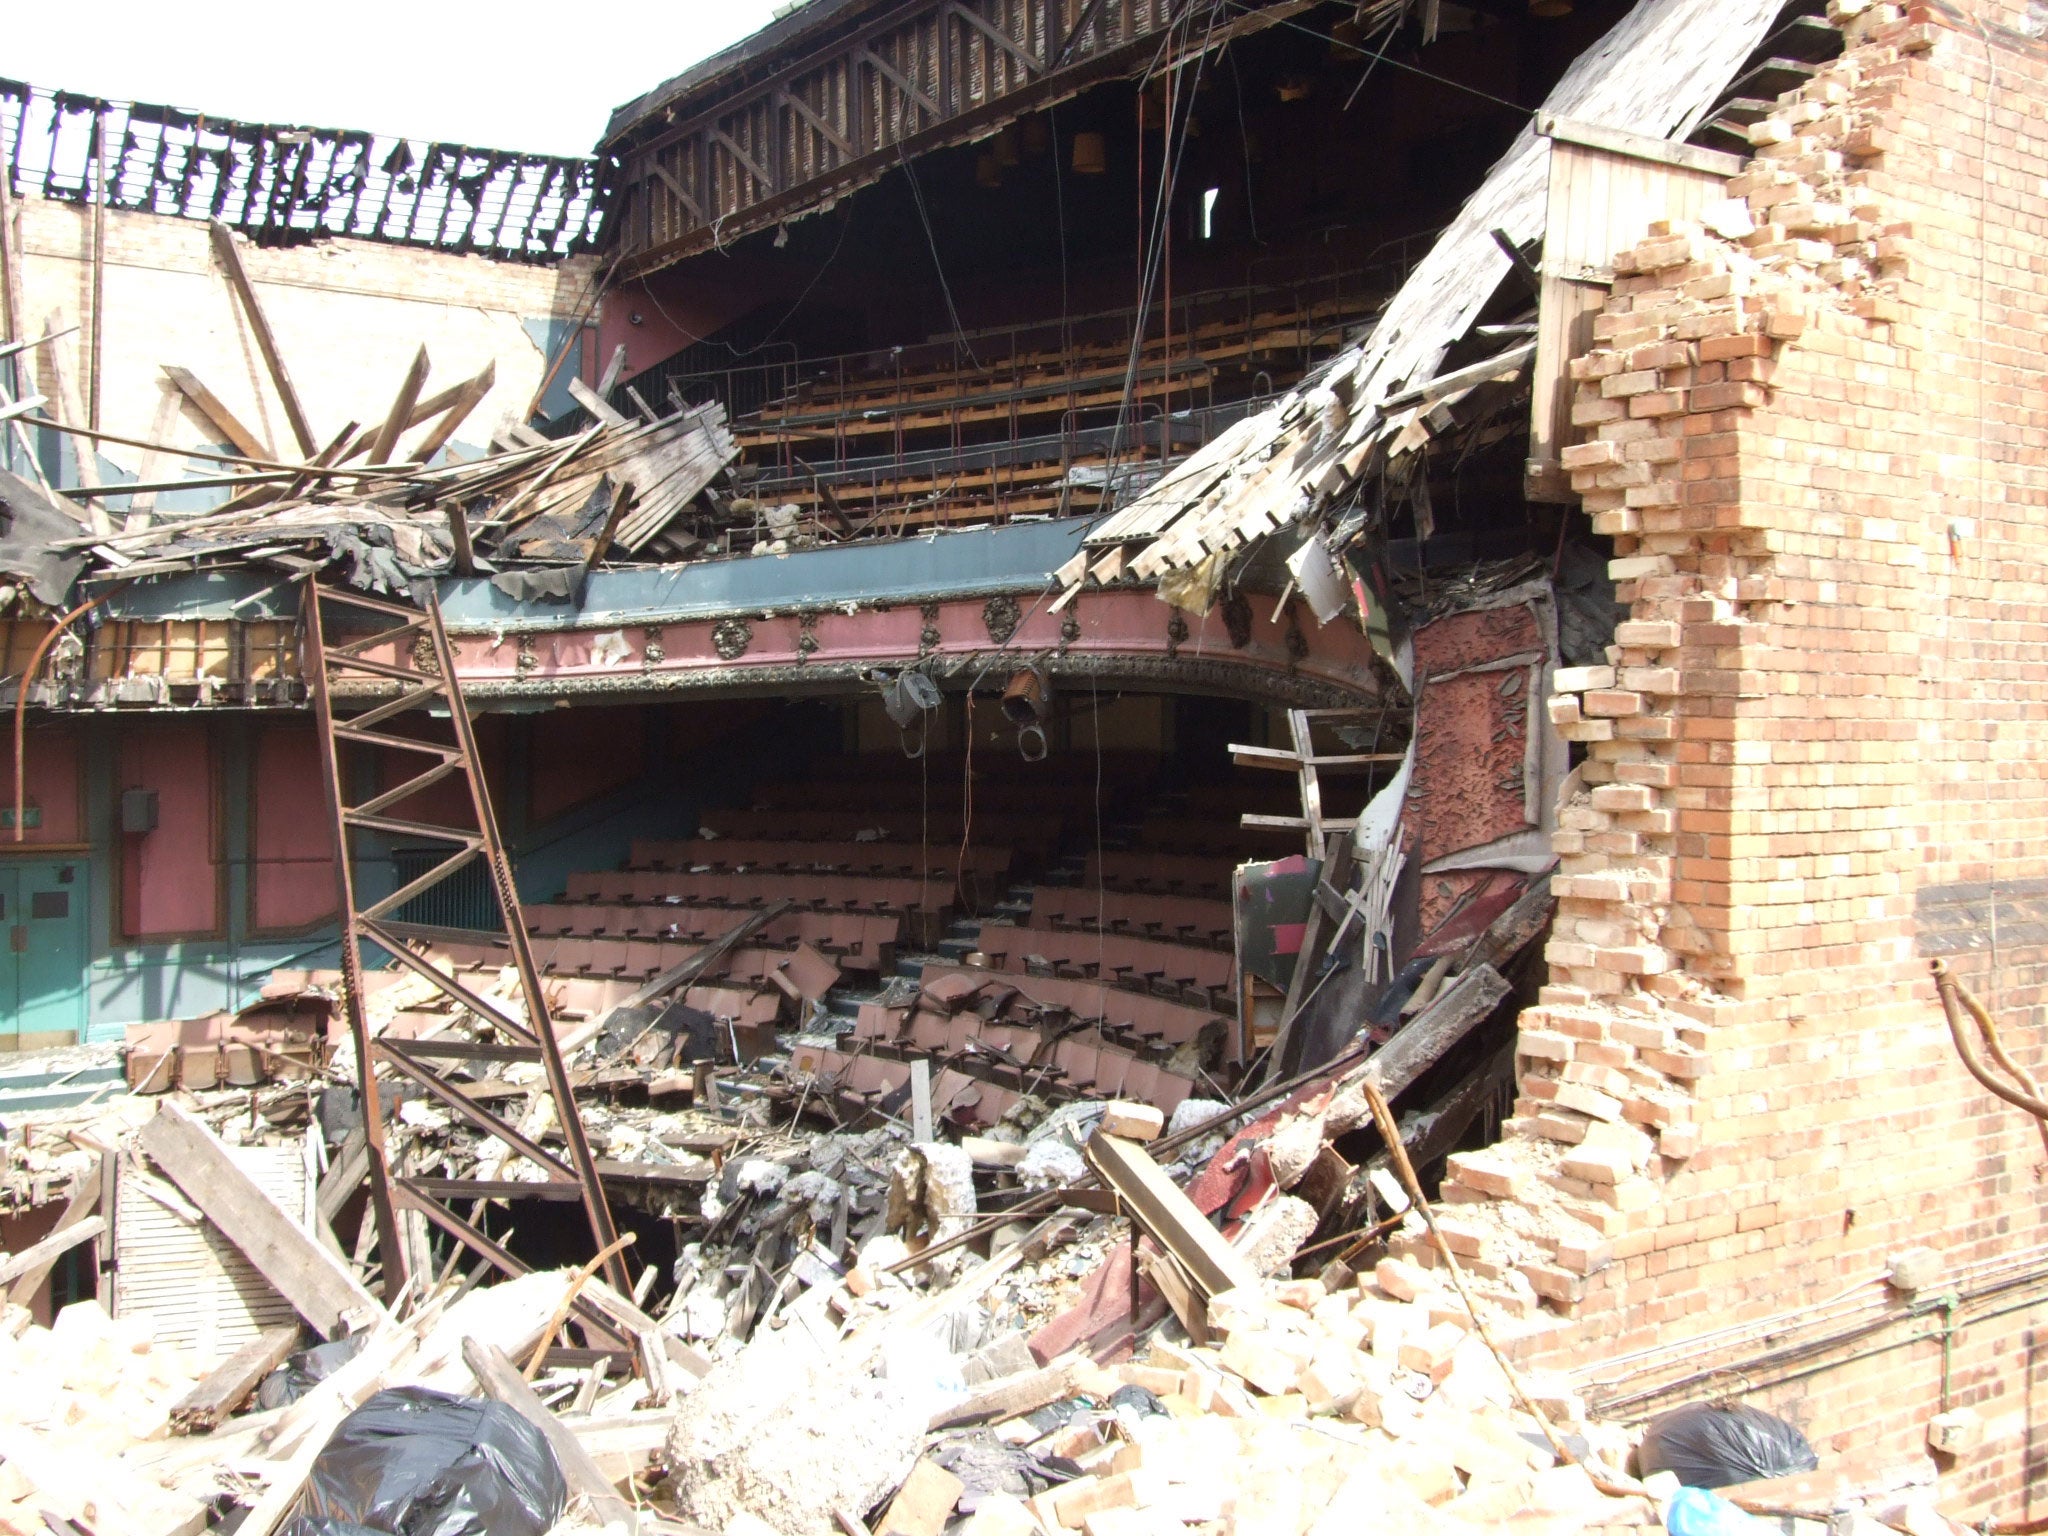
x=1696, y=1512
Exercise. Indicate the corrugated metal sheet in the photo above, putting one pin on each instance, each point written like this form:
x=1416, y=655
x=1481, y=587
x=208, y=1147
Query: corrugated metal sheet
x=202, y=1293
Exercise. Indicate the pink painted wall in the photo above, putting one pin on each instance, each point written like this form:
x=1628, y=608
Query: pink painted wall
x=604, y=752
x=446, y=801
x=52, y=784
x=290, y=840
x=675, y=310
x=170, y=878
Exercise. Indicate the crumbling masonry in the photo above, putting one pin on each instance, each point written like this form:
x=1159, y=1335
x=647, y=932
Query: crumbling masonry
x=1815, y=429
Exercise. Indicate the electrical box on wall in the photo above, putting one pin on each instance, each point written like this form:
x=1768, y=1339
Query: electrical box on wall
x=138, y=810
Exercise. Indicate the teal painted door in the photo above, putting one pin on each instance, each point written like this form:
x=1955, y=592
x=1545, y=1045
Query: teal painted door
x=42, y=965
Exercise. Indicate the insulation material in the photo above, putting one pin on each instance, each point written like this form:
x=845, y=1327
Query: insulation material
x=1315, y=573
x=202, y=1294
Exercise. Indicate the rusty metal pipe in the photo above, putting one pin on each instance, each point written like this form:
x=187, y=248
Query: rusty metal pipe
x=1955, y=997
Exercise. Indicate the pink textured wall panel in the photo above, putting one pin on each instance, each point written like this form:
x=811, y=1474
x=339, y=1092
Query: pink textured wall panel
x=291, y=843
x=170, y=878
x=51, y=783
x=603, y=752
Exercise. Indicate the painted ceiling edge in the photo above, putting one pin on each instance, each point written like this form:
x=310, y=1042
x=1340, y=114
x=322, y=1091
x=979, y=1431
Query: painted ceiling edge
x=1655, y=73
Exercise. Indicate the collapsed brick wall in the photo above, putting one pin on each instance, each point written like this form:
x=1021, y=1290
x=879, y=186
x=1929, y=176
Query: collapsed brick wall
x=1817, y=430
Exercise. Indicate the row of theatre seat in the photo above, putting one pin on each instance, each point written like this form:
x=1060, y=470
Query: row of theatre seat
x=993, y=1038
x=1122, y=983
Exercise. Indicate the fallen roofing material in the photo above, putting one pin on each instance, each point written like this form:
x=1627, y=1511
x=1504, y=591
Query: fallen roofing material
x=1657, y=73
x=552, y=510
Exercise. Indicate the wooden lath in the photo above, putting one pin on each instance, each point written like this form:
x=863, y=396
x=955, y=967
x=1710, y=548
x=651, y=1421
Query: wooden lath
x=427, y=686
x=1309, y=766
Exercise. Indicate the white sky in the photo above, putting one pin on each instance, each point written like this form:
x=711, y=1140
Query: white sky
x=512, y=74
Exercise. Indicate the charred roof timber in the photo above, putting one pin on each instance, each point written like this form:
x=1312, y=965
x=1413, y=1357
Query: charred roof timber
x=286, y=185
x=831, y=97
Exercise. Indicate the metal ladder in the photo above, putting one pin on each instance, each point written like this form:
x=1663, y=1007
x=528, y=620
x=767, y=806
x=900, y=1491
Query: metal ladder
x=409, y=668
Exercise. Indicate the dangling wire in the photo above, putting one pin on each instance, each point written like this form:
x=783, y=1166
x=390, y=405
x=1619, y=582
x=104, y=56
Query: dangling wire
x=1155, y=250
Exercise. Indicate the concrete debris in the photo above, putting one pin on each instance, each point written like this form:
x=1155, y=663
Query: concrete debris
x=788, y=1440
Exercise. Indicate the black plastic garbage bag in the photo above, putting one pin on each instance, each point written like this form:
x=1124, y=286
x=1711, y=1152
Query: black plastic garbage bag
x=1713, y=1445
x=301, y=1372
x=411, y=1462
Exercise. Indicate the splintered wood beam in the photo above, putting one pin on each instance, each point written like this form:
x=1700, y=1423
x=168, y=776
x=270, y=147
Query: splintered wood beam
x=228, y=1385
x=1160, y=1206
x=1288, y=762
x=320, y=1286
x=1009, y=1396
x=222, y=420
x=593, y=401
x=459, y=402
x=85, y=1200
x=1507, y=934
x=65, y=404
x=50, y=1249
x=400, y=415
x=458, y=534
x=613, y=370
x=1420, y=1043
x=622, y=501
x=266, y=341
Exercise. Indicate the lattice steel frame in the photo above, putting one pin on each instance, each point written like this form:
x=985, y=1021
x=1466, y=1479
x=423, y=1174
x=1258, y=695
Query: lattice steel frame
x=414, y=635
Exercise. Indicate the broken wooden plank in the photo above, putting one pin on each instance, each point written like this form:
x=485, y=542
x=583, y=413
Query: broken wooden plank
x=266, y=341
x=66, y=406
x=625, y=1443
x=222, y=420
x=1289, y=762
x=228, y=1385
x=1025, y=1392
x=1160, y=1207
x=500, y=1380
x=40, y=1256
x=462, y=400
x=596, y=404
x=1171, y=1281
x=322, y=1288
x=1511, y=932
x=400, y=415
x=458, y=535
x=924, y=1503
x=1421, y=1042
x=344, y=1175
x=85, y=1199
x=1252, y=819
x=622, y=500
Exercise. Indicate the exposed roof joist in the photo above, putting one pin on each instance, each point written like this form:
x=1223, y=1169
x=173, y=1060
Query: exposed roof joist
x=913, y=78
